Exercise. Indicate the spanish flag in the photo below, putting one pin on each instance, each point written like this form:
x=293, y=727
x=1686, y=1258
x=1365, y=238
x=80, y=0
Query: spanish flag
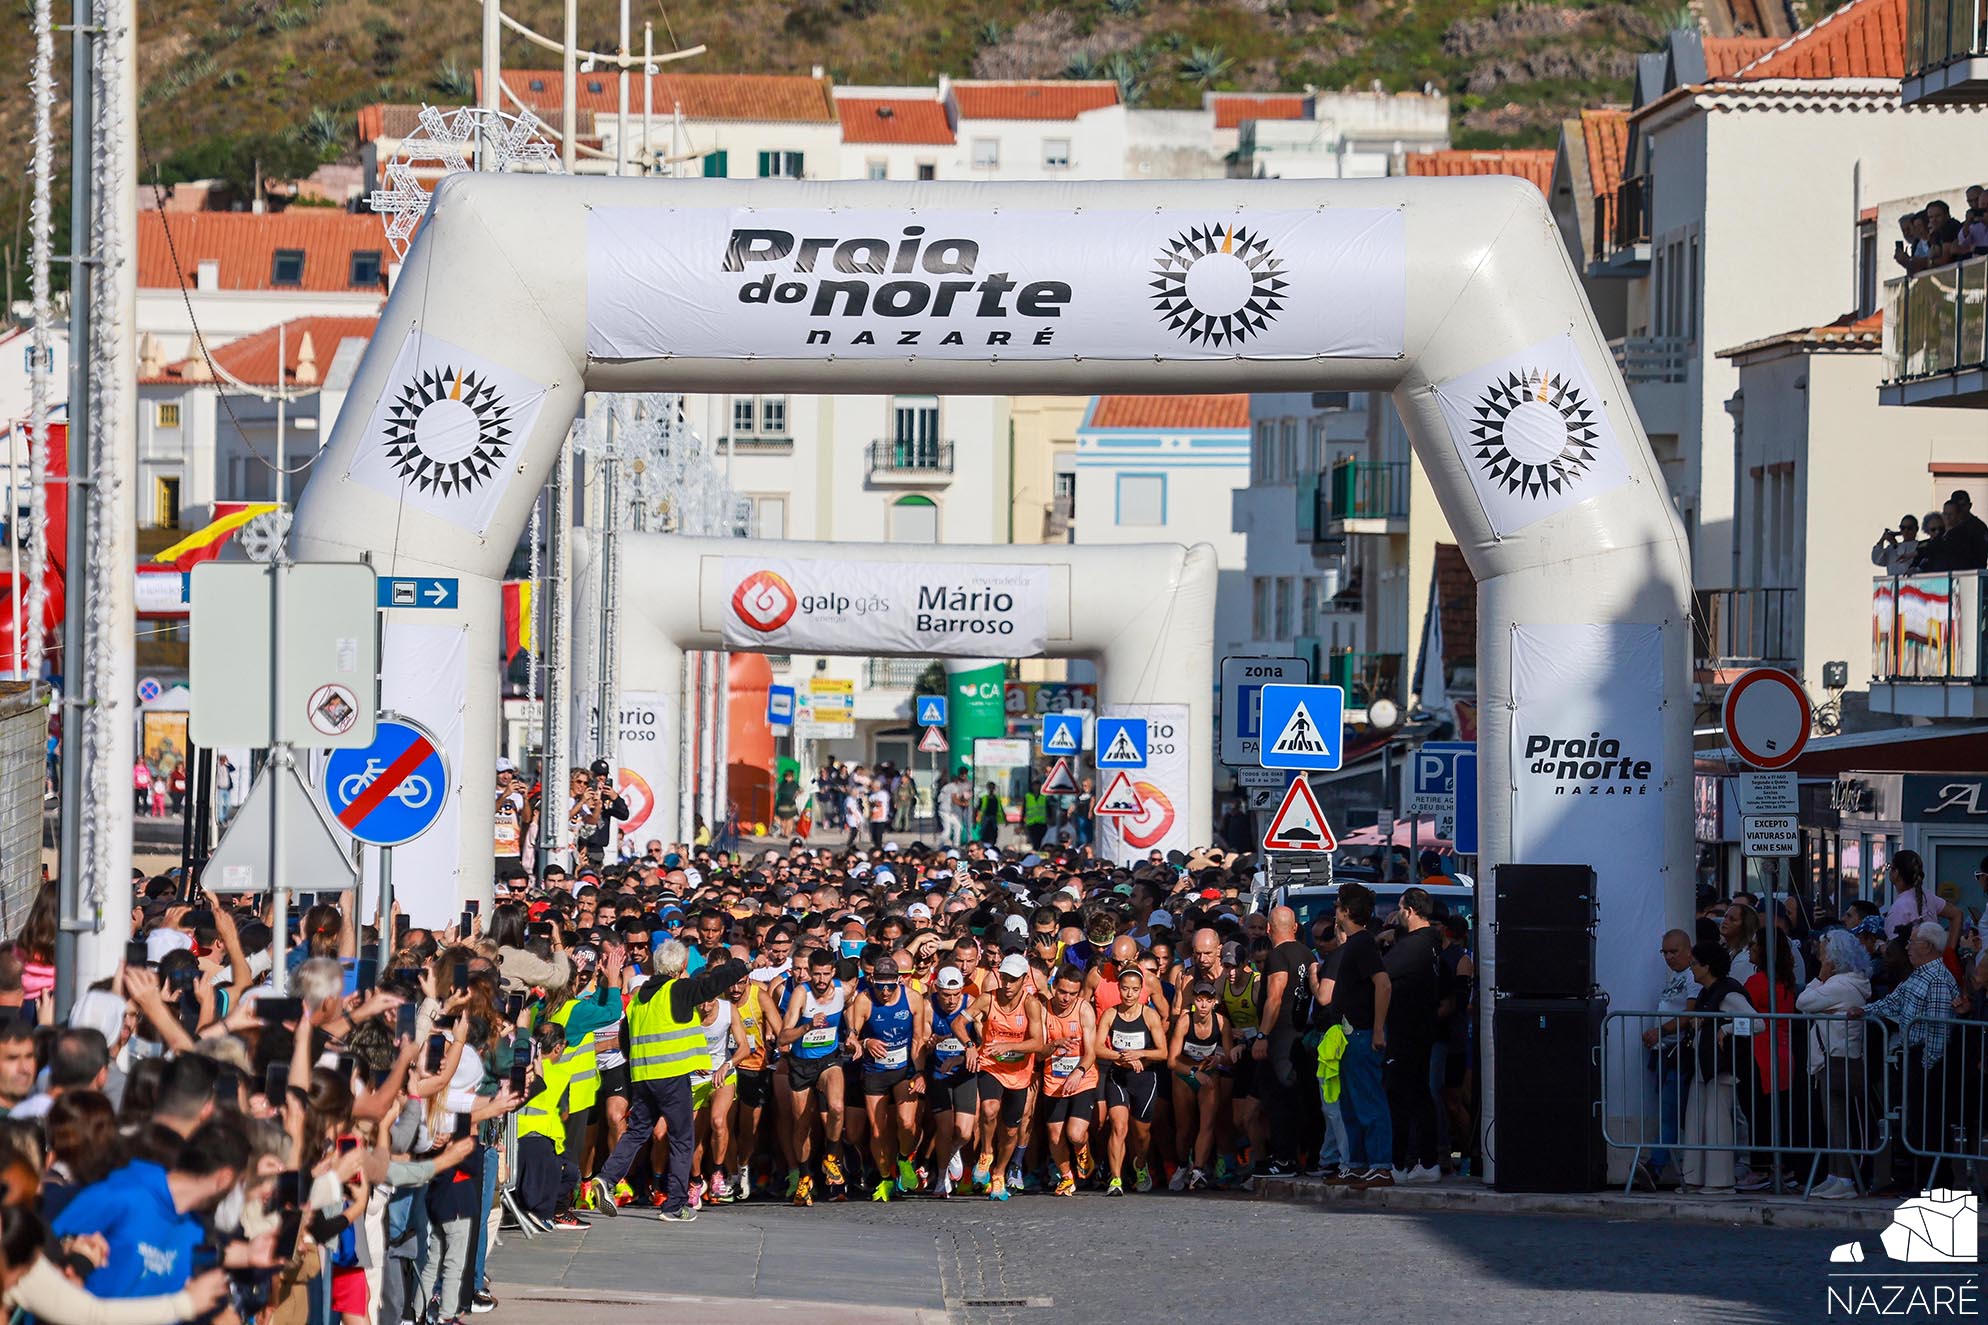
x=206, y=543
x=517, y=618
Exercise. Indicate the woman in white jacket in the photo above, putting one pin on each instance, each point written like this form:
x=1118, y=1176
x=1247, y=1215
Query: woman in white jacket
x=1836, y=1053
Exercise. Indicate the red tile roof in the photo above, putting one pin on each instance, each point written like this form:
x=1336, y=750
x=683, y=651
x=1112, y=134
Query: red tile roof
x=1050, y=99
x=785, y=98
x=1726, y=56
x=893, y=120
x=1846, y=332
x=1534, y=164
x=245, y=245
x=1231, y=111
x=1864, y=39
x=252, y=359
x=1606, y=135
x=1171, y=413
x=388, y=120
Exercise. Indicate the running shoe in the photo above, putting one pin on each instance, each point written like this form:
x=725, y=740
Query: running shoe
x=1066, y=1185
x=697, y=1194
x=794, y=1181
x=606, y=1198
x=1084, y=1162
x=1144, y=1178
x=1178, y=1182
x=804, y=1190
x=623, y=1194
x=482, y=1302
x=684, y=1216
x=1114, y=1188
x=956, y=1167
x=1197, y=1181
x=999, y=1190
x=907, y=1177
x=831, y=1170
x=721, y=1191
x=882, y=1193
x=982, y=1177
x=945, y=1187
x=567, y=1222
x=1015, y=1176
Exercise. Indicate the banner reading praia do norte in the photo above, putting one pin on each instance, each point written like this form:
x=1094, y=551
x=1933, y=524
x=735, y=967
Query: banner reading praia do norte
x=784, y=605
x=1180, y=282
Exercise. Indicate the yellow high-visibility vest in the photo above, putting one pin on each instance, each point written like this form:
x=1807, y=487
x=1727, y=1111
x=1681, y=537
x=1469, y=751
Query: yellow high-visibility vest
x=661, y=1046
x=587, y=1076
x=540, y=1115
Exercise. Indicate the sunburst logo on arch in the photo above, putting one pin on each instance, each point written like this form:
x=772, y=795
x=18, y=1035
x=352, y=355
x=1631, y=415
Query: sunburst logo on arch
x=1218, y=285
x=448, y=431
x=1534, y=433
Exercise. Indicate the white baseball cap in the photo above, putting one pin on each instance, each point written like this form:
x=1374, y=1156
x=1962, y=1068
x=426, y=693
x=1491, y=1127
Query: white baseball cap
x=1016, y=925
x=1014, y=963
x=950, y=980
x=505, y=765
x=918, y=911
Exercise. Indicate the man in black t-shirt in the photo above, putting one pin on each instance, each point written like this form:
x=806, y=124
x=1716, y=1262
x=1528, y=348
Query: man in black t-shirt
x=1414, y=975
x=1362, y=993
x=1287, y=992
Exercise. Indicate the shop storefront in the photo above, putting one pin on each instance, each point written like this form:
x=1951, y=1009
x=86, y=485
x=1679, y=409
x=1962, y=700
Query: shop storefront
x=1942, y=816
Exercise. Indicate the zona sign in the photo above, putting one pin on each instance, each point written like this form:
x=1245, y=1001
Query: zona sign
x=1768, y=717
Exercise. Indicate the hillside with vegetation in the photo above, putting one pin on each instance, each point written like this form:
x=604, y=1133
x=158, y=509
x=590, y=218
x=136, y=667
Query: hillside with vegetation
x=233, y=87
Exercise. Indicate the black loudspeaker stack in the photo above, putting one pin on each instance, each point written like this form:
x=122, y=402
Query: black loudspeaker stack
x=1546, y=1128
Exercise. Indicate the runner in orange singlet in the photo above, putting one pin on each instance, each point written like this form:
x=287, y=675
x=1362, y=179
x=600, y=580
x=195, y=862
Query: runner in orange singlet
x=1011, y=1036
x=1069, y=1077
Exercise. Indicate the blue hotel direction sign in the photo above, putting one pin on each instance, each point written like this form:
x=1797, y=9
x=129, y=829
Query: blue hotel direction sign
x=428, y=591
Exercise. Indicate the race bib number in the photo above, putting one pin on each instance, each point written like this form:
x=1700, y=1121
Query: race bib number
x=818, y=1037
x=1063, y=1065
x=1128, y=1041
x=1009, y=1056
x=894, y=1058
x=950, y=1047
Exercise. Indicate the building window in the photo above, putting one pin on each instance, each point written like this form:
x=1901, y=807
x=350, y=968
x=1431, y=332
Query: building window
x=365, y=267
x=1867, y=268
x=1142, y=500
x=878, y=169
x=288, y=267
x=595, y=86
x=773, y=416
x=1259, y=454
x=769, y=516
x=1309, y=592
x=1332, y=400
x=715, y=165
x=1259, y=607
x=1056, y=154
x=779, y=165
x=914, y=519
x=1314, y=450
x=165, y=504
x=915, y=431
x=1281, y=625
x=1287, y=450
x=537, y=85
x=927, y=170
x=166, y=414
x=986, y=153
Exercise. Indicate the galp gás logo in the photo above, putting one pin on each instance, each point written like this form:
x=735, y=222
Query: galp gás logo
x=764, y=601
x=1154, y=821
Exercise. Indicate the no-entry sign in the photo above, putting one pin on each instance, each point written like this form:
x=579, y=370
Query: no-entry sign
x=1768, y=717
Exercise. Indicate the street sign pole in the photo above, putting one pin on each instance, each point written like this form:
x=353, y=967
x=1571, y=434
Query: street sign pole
x=279, y=759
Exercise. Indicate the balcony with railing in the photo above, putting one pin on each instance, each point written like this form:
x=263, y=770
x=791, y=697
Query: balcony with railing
x=894, y=673
x=1738, y=629
x=1928, y=655
x=1365, y=497
x=1936, y=336
x=1058, y=517
x=1622, y=230
x=1652, y=359
x=912, y=462
x=1946, y=52
x=1365, y=677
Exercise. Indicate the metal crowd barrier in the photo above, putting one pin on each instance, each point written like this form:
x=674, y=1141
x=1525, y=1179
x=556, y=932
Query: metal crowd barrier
x=1942, y=1103
x=1827, y=1106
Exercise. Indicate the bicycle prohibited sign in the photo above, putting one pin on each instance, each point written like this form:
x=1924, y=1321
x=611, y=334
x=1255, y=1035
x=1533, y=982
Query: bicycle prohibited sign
x=393, y=790
x=333, y=710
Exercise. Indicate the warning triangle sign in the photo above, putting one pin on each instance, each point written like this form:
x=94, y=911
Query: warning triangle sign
x=933, y=741
x=1299, y=825
x=1122, y=750
x=1059, y=782
x=1121, y=797
x=1300, y=735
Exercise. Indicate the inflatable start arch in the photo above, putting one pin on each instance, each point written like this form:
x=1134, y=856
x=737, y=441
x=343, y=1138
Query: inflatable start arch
x=524, y=292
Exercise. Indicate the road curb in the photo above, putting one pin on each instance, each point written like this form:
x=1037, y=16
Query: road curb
x=1659, y=1207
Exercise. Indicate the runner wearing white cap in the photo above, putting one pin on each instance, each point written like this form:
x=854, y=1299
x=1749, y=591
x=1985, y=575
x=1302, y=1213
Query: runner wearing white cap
x=1011, y=1028
x=952, y=1063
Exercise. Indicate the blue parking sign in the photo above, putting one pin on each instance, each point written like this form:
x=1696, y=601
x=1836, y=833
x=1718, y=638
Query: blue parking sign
x=1302, y=727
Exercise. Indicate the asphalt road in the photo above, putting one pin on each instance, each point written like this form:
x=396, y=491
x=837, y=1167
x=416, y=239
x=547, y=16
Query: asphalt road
x=1158, y=1258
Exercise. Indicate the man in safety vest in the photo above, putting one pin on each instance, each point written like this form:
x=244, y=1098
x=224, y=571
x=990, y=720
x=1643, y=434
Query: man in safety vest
x=666, y=1044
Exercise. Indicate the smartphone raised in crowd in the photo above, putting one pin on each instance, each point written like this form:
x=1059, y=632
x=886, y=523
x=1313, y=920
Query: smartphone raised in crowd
x=368, y=974
x=461, y=976
x=289, y=1190
x=438, y=1045
x=276, y=1083
x=272, y=1011
x=520, y=1065
x=136, y=953
x=404, y=1019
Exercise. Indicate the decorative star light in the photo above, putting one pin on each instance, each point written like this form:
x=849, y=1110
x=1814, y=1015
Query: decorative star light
x=449, y=141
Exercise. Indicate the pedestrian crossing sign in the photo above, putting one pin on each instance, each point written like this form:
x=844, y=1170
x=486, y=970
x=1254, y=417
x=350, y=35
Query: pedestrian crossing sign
x=1303, y=727
x=932, y=711
x=1121, y=797
x=1060, y=781
x=1299, y=824
x=1121, y=742
x=1062, y=733
x=933, y=742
